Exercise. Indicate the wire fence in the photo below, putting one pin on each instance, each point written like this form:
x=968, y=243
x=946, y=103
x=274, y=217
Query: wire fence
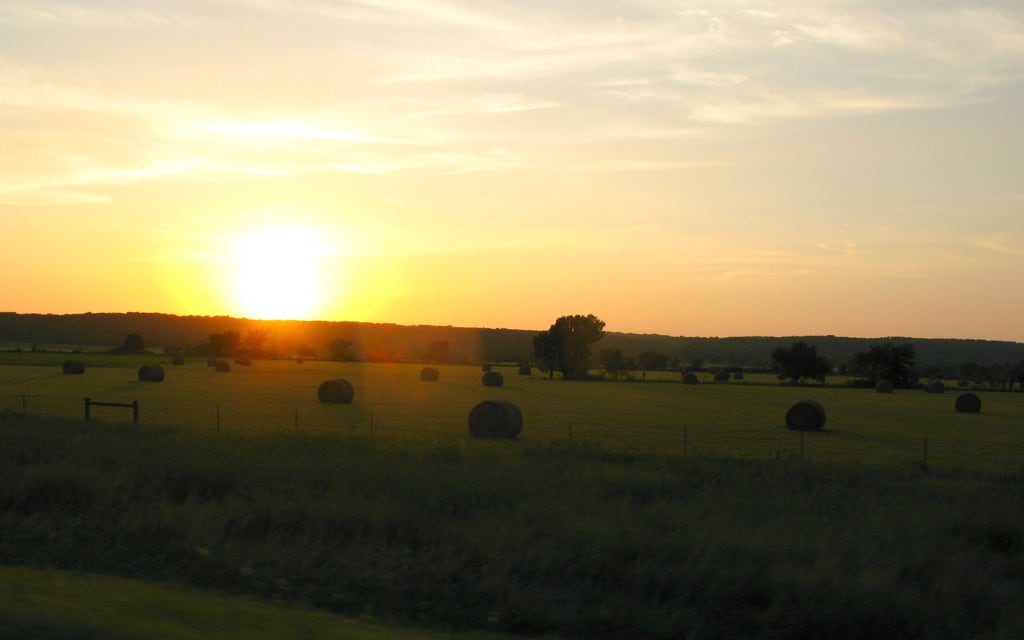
x=618, y=432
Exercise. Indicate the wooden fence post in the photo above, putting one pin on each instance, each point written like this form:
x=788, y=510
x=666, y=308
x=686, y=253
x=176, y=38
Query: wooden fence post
x=135, y=411
x=87, y=409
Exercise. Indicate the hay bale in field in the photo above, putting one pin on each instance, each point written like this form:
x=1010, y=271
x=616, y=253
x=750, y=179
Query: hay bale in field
x=485, y=368
x=806, y=415
x=884, y=386
x=495, y=419
x=222, y=366
x=211, y=361
x=299, y=360
x=151, y=373
x=721, y=376
x=337, y=391
x=525, y=370
x=73, y=367
x=935, y=386
x=493, y=379
x=968, y=403
x=244, y=361
x=429, y=374
x=690, y=378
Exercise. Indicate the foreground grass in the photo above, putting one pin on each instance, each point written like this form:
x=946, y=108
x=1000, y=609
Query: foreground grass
x=518, y=537
x=37, y=603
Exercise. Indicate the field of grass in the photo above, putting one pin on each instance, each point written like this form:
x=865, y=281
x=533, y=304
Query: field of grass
x=524, y=537
x=743, y=419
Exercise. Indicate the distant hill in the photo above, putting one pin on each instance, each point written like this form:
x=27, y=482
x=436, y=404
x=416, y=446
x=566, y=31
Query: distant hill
x=394, y=342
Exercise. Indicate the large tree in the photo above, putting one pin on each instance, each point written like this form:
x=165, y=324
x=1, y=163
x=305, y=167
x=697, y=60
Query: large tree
x=566, y=345
x=800, y=361
x=888, y=361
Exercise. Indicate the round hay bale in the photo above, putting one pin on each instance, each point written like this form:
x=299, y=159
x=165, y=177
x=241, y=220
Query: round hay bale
x=806, y=415
x=493, y=379
x=968, y=403
x=222, y=366
x=935, y=386
x=485, y=367
x=73, y=367
x=244, y=361
x=525, y=370
x=721, y=376
x=337, y=391
x=495, y=419
x=884, y=386
x=211, y=361
x=690, y=378
x=179, y=359
x=429, y=374
x=151, y=373
x=299, y=360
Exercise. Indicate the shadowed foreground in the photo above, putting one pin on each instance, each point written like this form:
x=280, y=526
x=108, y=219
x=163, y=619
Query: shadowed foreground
x=518, y=537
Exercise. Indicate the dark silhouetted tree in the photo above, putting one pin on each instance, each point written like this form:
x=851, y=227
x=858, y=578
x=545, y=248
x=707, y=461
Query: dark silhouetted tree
x=651, y=360
x=800, y=361
x=888, y=361
x=612, y=362
x=252, y=341
x=567, y=345
x=133, y=343
x=225, y=344
x=343, y=350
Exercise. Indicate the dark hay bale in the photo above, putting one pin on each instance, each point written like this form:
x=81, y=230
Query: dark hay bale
x=935, y=386
x=244, y=361
x=806, y=415
x=222, y=366
x=299, y=360
x=338, y=391
x=485, y=367
x=738, y=375
x=211, y=361
x=151, y=373
x=524, y=370
x=968, y=403
x=721, y=376
x=495, y=419
x=73, y=367
x=884, y=386
x=690, y=378
x=493, y=379
x=429, y=374
x=179, y=359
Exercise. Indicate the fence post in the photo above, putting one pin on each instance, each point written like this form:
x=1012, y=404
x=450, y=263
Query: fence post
x=135, y=411
x=87, y=409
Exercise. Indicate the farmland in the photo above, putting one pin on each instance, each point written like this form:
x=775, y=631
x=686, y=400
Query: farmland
x=593, y=524
x=738, y=418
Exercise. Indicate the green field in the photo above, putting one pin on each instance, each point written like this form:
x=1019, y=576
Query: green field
x=742, y=419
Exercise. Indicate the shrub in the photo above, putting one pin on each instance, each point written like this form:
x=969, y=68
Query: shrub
x=884, y=386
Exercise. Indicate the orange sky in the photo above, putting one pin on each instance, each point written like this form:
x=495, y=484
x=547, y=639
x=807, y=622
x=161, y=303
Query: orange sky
x=719, y=168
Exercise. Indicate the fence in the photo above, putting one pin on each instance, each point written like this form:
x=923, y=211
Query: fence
x=614, y=432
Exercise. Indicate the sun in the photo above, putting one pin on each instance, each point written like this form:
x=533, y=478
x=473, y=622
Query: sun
x=277, y=273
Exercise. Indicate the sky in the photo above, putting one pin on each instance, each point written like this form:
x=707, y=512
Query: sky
x=694, y=168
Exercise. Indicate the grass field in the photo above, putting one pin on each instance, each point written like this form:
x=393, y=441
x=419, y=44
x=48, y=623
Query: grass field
x=743, y=419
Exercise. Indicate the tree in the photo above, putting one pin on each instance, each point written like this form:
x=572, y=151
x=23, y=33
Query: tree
x=799, y=361
x=888, y=361
x=566, y=345
x=225, y=344
x=651, y=360
x=342, y=350
x=611, y=362
x=437, y=351
x=253, y=341
x=133, y=343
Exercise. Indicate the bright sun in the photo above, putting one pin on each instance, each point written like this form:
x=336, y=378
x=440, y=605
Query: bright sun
x=277, y=273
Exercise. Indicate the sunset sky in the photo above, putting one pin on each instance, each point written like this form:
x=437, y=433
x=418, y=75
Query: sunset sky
x=693, y=168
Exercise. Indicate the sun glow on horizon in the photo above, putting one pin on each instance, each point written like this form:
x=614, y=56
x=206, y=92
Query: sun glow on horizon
x=278, y=276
